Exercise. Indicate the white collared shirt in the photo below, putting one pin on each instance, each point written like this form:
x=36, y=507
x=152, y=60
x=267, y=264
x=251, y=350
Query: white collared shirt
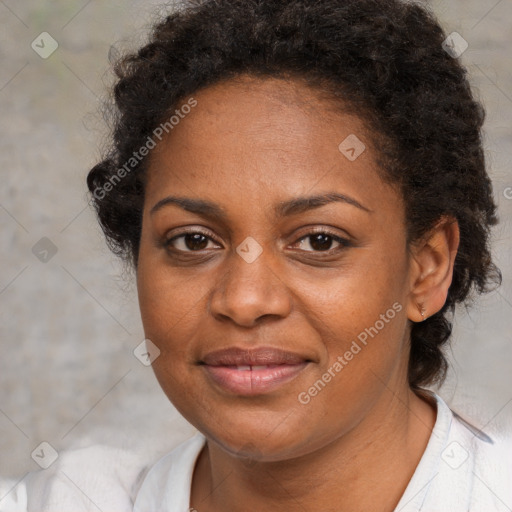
x=461, y=470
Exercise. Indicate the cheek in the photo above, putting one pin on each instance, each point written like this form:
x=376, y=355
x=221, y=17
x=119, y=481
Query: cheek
x=347, y=302
x=360, y=316
x=168, y=296
x=365, y=356
x=169, y=304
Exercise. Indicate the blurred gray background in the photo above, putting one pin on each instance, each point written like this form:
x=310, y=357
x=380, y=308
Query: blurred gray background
x=69, y=319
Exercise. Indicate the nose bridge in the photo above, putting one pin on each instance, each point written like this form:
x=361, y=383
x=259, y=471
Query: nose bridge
x=250, y=287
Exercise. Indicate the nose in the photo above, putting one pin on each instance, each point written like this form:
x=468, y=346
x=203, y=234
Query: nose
x=249, y=291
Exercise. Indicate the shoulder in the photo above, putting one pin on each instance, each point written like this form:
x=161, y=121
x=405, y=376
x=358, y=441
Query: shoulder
x=80, y=479
x=464, y=468
x=13, y=495
x=167, y=483
x=486, y=457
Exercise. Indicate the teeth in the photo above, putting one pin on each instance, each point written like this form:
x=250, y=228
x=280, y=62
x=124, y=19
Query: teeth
x=247, y=368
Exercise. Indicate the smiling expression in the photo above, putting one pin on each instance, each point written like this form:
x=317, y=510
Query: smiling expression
x=265, y=252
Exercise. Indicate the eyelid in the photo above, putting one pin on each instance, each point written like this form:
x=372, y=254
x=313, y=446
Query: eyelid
x=190, y=230
x=324, y=229
x=343, y=241
x=333, y=232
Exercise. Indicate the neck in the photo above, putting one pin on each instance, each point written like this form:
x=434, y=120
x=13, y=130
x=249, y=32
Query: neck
x=373, y=463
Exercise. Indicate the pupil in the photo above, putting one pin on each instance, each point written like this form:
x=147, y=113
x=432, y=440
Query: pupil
x=325, y=242
x=196, y=241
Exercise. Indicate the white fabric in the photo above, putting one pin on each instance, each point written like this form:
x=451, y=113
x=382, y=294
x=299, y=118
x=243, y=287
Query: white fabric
x=461, y=470
x=92, y=479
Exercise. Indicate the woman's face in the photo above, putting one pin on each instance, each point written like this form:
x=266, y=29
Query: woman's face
x=287, y=248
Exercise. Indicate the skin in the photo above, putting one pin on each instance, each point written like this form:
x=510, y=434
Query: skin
x=248, y=145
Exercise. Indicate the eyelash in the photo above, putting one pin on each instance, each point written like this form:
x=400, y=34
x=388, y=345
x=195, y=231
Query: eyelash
x=344, y=243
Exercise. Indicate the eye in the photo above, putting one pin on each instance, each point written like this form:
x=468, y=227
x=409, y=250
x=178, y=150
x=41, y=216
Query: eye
x=322, y=241
x=190, y=241
x=196, y=241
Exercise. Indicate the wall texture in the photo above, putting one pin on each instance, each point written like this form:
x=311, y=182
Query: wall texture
x=68, y=314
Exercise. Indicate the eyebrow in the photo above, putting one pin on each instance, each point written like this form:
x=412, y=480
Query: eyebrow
x=282, y=209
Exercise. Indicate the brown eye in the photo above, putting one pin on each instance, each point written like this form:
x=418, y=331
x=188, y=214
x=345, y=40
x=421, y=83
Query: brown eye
x=196, y=242
x=322, y=242
x=189, y=242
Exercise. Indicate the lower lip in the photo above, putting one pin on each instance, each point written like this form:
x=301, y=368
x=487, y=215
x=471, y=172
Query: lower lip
x=253, y=382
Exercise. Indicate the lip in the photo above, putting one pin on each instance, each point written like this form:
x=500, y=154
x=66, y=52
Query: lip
x=253, y=371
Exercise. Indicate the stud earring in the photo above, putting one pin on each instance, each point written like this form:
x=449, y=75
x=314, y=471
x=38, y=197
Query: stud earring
x=422, y=311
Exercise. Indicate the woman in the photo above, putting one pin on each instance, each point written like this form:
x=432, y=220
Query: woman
x=301, y=189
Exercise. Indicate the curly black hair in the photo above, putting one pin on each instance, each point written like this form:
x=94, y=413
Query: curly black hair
x=384, y=59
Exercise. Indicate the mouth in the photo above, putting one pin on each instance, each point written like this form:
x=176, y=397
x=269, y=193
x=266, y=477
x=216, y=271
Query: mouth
x=252, y=372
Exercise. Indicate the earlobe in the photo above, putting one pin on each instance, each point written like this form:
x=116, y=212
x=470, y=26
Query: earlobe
x=433, y=260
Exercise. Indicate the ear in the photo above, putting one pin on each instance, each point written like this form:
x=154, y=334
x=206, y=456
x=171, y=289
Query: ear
x=431, y=269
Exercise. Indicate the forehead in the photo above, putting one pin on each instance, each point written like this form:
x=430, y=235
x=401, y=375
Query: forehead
x=266, y=137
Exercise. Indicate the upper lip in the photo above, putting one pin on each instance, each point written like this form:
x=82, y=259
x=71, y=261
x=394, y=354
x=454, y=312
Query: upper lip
x=261, y=356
